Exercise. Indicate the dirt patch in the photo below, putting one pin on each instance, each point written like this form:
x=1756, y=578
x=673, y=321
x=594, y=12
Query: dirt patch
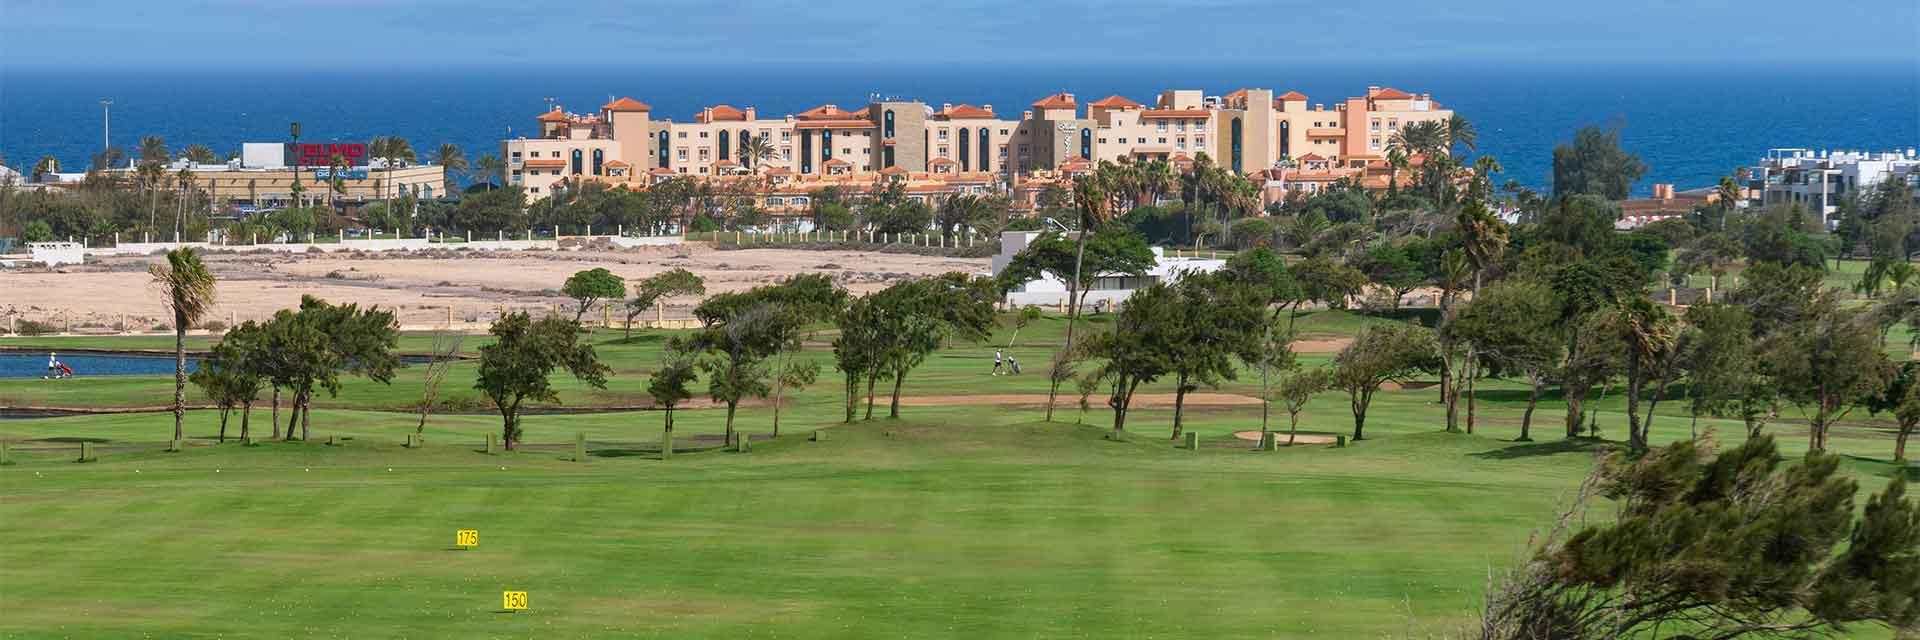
x=1140, y=401
x=1321, y=345
x=1304, y=438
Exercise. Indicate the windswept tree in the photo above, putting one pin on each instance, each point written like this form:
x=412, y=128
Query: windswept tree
x=737, y=349
x=1734, y=545
x=1513, y=323
x=310, y=348
x=905, y=323
x=1595, y=164
x=1097, y=252
x=670, y=385
x=658, y=287
x=1723, y=374
x=1382, y=353
x=1827, y=365
x=224, y=379
x=590, y=287
x=1216, y=320
x=1135, y=349
x=1295, y=391
x=1266, y=273
x=801, y=302
x=518, y=366
x=188, y=290
x=1902, y=399
x=446, y=353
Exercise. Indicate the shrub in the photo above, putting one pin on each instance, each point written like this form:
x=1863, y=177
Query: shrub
x=214, y=326
x=37, y=328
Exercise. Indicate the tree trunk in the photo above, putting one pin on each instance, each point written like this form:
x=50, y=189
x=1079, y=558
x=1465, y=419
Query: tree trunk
x=1293, y=427
x=777, y=393
x=852, y=396
x=1473, y=373
x=1526, y=419
x=507, y=430
x=224, y=412
x=246, y=416
x=1576, y=414
x=306, y=417
x=731, y=406
x=893, y=406
x=1179, y=404
x=276, y=412
x=179, y=376
x=870, y=381
x=1073, y=312
x=1358, y=402
x=666, y=436
x=293, y=414
x=1900, y=441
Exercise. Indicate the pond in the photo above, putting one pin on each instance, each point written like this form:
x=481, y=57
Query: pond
x=34, y=365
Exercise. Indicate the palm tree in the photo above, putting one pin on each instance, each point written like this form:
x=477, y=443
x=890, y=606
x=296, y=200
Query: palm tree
x=199, y=154
x=755, y=150
x=1091, y=202
x=47, y=165
x=395, y=151
x=188, y=291
x=1728, y=192
x=490, y=166
x=1396, y=162
x=154, y=149
x=336, y=166
x=1424, y=137
x=1460, y=133
x=185, y=177
x=450, y=157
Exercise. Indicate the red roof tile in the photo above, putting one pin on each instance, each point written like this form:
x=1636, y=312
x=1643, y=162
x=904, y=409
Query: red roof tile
x=828, y=112
x=719, y=113
x=966, y=111
x=1056, y=101
x=626, y=104
x=1293, y=96
x=1115, y=102
x=544, y=163
x=1391, y=94
x=892, y=171
x=555, y=115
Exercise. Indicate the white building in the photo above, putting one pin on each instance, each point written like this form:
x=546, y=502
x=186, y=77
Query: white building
x=1820, y=180
x=1110, y=289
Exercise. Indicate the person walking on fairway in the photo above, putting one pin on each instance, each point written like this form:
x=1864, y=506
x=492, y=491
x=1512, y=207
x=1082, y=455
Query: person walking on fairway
x=53, y=365
x=996, y=362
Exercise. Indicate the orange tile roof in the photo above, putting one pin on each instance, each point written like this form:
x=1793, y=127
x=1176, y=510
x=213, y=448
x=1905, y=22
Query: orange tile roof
x=1115, y=102
x=1056, y=101
x=626, y=104
x=939, y=161
x=1175, y=113
x=1311, y=157
x=892, y=171
x=1293, y=96
x=836, y=162
x=828, y=112
x=544, y=163
x=661, y=171
x=777, y=171
x=726, y=163
x=1240, y=93
x=966, y=111
x=617, y=163
x=555, y=115
x=720, y=112
x=1391, y=94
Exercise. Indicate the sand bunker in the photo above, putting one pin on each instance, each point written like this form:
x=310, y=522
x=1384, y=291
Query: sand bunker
x=1281, y=437
x=1140, y=401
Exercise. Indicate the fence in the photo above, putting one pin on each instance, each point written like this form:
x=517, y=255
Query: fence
x=849, y=237
x=456, y=318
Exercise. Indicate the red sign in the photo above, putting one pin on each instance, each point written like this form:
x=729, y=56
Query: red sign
x=308, y=154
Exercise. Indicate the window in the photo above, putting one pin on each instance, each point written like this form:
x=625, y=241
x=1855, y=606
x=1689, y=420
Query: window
x=1163, y=141
x=555, y=172
x=1003, y=132
x=516, y=173
x=683, y=135
x=599, y=157
x=516, y=155
x=1180, y=126
x=798, y=201
x=846, y=151
x=705, y=154
x=886, y=122
x=1086, y=142
x=663, y=150
x=983, y=149
x=786, y=153
x=534, y=189
x=1142, y=140
x=1181, y=142
x=724, y=144
x=786, y=136
x=1236, y=142
x=683, y=154
x=1103, y=141
x=776, y=201
x=1160, y=124
x=943, y=135
x=703, y=134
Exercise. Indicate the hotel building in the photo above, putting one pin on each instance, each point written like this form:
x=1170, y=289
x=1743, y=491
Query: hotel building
x=1285, y=142
x=1820, y=180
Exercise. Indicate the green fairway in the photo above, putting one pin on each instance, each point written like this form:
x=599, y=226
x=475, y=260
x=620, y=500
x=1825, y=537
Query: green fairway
x=957, y=521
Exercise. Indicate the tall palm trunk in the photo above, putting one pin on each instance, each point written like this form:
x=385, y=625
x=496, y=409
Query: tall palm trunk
x=179, y=375
x=1073, y=313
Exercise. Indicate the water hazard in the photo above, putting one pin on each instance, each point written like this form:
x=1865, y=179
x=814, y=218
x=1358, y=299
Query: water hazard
x=34, y=365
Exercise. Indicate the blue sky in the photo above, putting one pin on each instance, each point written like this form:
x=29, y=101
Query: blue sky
x=438, y=33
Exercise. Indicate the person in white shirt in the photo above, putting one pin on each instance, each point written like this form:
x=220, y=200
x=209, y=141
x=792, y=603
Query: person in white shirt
x=996, y=362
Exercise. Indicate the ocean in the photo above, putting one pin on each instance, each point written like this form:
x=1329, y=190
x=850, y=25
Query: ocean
x=1691, y=123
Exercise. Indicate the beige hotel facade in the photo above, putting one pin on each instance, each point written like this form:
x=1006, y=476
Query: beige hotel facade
x=1254, y=131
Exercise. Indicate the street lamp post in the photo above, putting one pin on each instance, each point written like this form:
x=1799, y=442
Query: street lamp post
x=106, y=127
x=295, y=131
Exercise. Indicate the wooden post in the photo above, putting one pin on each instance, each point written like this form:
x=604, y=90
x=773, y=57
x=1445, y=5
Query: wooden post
x=173, y=446
x=819, y=435
x=1268, y=441
x=579, y=447
x=1193, y=441
x=86, y=451
x=1673, y=297
x=333, y=441
x=6, y=453
x=659, y=313
x=1340, y=441
x=493, y=443
x=741, y=442
x=1709, y=298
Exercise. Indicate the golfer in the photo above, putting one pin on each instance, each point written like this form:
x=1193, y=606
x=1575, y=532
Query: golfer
x=996, y=362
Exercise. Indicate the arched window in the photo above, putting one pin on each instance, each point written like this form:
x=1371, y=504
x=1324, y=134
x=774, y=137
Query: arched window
x=599, y=158
x=664, y=143
x=1285, y=144
x=576, y=162
x=1086, y=143
x=725, y=147
x=984, y=148
x=887, y=124
x=966, y=150
x=826, y=145
x=741, y=139
x=1235, y=141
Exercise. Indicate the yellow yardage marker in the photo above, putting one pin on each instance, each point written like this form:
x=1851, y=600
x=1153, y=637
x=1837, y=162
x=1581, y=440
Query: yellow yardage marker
x=513, y=600
x=466, y=538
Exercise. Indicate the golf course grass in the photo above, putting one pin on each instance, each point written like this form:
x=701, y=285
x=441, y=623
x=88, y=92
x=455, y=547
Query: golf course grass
x=957, y=520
